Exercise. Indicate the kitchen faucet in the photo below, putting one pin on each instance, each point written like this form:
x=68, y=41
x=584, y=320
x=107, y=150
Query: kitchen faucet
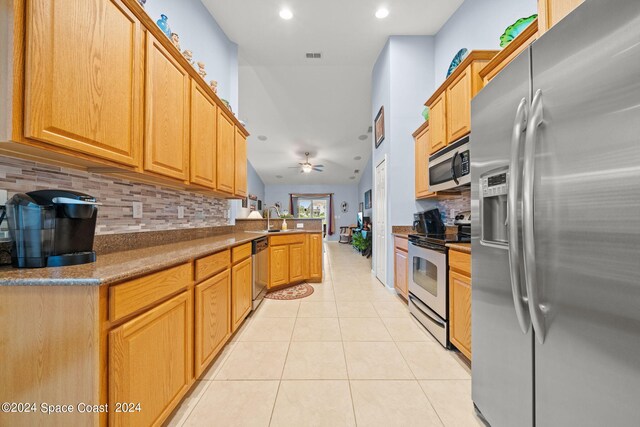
x=268, y=213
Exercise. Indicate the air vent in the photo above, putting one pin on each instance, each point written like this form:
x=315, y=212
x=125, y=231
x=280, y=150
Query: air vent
x=370, y=129
x=314, y=55
x=357, y=171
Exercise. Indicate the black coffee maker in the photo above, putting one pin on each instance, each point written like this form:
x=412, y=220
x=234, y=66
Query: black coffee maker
x=52, y=228
x=428, y=222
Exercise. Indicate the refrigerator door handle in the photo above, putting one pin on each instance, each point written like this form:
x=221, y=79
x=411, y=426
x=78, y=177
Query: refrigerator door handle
x=535, y=308
x=519, y=301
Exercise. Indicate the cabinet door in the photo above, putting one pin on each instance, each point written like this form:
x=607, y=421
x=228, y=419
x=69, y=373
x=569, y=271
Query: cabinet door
x=166, y=142
x=422, y=164
x=240, y=292
x=83, y=78
x=213, y=318
x=460, y=312
x=315, y=256
x=438, y=124
x=401, y=270
x=552, y=11
x=151, y=361
x=203, y=138
x=307, y=256
x=226, y=152
x=459, y=106
x=241, y=165
x=278, y=265
x=296, y=262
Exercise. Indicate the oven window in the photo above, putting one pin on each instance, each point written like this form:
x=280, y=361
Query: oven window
x=425, y=275
x=440, y=173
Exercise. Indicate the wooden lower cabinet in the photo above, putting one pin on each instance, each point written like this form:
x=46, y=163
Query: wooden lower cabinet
x=241, y=276
x=401, y=266
x=151, y=362
x=212, y=318
x=460, y=301
x=296, y=262
x=278, y=265
x=315, y=257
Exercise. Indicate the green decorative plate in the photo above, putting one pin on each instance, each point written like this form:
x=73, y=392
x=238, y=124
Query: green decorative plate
x=516, y=28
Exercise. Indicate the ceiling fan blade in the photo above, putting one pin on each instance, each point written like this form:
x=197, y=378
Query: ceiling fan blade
x=318, y=166
x=318, y=170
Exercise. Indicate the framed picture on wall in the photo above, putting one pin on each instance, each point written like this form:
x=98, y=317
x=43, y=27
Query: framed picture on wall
x=367, y=199
x=379, y=127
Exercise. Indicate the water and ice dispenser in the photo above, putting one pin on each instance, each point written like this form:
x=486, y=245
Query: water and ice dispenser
x=494, y=187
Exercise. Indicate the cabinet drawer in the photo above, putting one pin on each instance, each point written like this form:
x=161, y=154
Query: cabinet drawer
x=240, y=252
x=137, y=294
x=401, y=243
x=212, y=264
x=460, y=262
x=286, y=239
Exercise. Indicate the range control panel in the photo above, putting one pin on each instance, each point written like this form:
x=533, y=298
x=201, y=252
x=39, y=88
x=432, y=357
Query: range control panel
x=495, y=185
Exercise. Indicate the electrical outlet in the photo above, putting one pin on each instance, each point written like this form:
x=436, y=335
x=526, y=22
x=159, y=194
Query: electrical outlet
x=300, y=225
x=227, y=214
x=3, y=197
x=137, y=210
x=180, y=212
x=452, y=213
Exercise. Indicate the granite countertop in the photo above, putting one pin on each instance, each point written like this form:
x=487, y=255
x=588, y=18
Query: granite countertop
x=120, y=266
x=460, y=247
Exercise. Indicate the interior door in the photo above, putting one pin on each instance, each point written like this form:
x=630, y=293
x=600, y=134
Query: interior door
x=586, y=163
x=380, y=214
x=502, y=368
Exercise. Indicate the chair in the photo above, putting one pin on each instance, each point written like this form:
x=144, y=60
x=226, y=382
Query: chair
x=346, y=234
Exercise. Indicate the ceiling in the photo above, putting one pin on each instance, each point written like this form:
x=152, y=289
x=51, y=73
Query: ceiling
x=318, y=105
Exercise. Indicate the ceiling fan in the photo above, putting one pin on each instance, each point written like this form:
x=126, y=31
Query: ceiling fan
x=307, y=167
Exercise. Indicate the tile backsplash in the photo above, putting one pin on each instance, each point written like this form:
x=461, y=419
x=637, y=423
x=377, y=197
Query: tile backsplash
x=458, y=204
x=160, y=205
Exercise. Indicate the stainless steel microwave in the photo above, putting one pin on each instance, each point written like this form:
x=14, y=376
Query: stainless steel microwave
x=450, y=167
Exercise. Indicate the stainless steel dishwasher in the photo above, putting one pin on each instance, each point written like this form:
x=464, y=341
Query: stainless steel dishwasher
x=260, y=255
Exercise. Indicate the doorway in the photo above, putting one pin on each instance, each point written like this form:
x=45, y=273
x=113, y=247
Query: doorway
x=380, y=218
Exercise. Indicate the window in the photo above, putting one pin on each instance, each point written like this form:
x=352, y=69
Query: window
x=310, y=208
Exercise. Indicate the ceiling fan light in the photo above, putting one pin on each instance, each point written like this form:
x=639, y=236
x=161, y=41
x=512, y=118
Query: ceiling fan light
x=307, y=168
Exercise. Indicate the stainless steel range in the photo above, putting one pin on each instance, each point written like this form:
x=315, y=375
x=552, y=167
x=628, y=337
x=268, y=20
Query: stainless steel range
x=428, y=278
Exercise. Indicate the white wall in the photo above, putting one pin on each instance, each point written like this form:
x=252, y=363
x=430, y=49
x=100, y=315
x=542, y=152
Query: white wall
x=477, y=24
x=341, y=193
x=200, y=33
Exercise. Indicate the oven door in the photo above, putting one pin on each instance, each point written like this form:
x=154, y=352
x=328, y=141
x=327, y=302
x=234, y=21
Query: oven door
x=428, y=277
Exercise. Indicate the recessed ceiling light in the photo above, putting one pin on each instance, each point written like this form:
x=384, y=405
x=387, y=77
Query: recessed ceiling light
x=357, y=158
x=279, y=176
x=287, y=14
x=363, y=137
x=352, y=177
x=262, y=138
x=382, y=13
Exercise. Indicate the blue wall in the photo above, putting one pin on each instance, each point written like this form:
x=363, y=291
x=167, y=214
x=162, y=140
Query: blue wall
x=365, y=184
x=477, y=24
x=254, y=182
x=200, y=33
x=341, y=193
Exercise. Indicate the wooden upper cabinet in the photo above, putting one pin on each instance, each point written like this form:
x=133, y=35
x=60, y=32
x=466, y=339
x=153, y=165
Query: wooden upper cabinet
x=212, y=318
x=83, y=78
x=151, y=362
x=422, y=141
x=296, y=262
x=550, y=12
x=459, y=106
x=315, y=256
x=167, y=106
x=203, y=138
x=241, y=164
x=226, y=153
x=438, y=124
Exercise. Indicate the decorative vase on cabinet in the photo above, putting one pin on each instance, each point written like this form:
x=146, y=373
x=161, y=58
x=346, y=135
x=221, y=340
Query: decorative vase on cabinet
x=163, y=23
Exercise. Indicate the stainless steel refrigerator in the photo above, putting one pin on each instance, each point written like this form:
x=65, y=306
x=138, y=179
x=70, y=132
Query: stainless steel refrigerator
x=555, y=152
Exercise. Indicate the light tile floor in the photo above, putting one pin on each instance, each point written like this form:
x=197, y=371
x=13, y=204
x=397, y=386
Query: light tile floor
x=349, y=354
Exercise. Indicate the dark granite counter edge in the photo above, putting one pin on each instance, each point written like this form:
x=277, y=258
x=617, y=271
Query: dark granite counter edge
x=198, y=248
